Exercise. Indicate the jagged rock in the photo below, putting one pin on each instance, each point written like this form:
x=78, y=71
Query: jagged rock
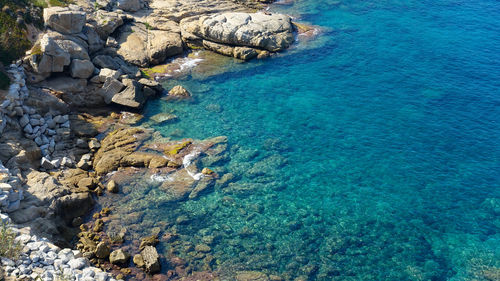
x=81, y=68
x=119, y=257
x=129, y=5
x=143, y=47
x=52, y=58
x=132, y=96
x=151, y=259
x=106, y=23
x=102, y=250
x=64, y=20
x=74, y=49
x=87, y=183
x=179, y=92
x=94, y=41
x=103, y=61
x=110, y=88
x=107, y=72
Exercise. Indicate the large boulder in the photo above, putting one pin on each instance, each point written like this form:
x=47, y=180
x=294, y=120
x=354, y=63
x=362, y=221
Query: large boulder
x=241, y=35
x=75, y=50
x=64, y=20
x=142, y=47
x=47, y=56
x=151, y=259
x=81, y=68
x=106, y=23
x=110, y=88
x=94, y=41
x=132, y=96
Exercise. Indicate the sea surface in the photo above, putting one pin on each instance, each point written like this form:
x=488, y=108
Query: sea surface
x=369, y=153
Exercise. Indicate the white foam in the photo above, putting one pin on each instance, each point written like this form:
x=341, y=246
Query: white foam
x=160, y=178
x=188, y=160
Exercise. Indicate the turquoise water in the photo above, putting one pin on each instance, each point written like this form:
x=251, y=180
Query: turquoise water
x=371, y=154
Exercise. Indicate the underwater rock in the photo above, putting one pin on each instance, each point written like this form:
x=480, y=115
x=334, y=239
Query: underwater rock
x=102, y=250
x=119, y=257
x=179, y=92
x=251, y=276
x=163, y=117
x=151, y=259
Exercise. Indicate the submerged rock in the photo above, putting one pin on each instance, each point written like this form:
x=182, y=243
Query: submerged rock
x=179, y=92
x=163, y=117
x=151, y=259
x=119, y=257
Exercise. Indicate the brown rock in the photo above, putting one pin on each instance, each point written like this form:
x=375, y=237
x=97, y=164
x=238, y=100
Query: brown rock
x=151, y=259
x=89, y=183
x=112, y=187
x=138, y=260
x=179, y=92
x=119, y=257
x=102, y=250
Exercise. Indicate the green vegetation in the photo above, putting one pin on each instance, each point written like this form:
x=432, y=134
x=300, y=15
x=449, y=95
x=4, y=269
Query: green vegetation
x=61, y=3
x=4, y=81
x=9, y=247
x=148, y=26
x=13, y=35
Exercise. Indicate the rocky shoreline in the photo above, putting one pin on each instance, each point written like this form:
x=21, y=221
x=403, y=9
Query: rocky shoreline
x=64, y=135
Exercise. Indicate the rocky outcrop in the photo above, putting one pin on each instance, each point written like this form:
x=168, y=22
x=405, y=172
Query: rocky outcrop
x=81, y=68
x=241, y=35
x=143, y=47
x=64, y=20
x=179, y=92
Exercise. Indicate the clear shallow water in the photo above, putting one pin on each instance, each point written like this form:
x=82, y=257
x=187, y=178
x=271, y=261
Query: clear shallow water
x=372, y=155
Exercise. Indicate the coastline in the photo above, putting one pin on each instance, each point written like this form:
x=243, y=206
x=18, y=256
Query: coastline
x=58, y=175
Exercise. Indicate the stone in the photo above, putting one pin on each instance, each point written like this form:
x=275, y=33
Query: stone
x=138, y=260
x=179, y=92
x=110, y=88
x=132, y=96
x=93, y=39
x=74, y=49
x=119, y=257
x=46, y=164
x=87, y=183
x=103, y=61
x=51, y=57
x=207, y=171
x=151, y=259
x=94, y=144
x=143, y=47
x=128, y=5
x=78, y=263
x=202, y=248
x=163, y=117
x=107, y=22
x=102, y=250
x=112, y=187
x=272, y=32
x=64, y=20
x=104, y=73
x=81, y=68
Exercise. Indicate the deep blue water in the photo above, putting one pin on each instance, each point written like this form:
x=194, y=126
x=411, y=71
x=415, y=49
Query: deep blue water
x=373, y=151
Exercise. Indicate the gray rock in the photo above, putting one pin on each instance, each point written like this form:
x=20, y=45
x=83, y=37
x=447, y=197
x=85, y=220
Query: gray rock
x=110, y=88
x=46, y=164
x=103, y=61
x=52, y=57
x=132, y=96
x=119, y=257
x=64, y=20
x=81, y=68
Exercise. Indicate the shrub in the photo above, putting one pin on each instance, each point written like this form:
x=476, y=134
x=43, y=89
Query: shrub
x=9, y=247
x=4, y=81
